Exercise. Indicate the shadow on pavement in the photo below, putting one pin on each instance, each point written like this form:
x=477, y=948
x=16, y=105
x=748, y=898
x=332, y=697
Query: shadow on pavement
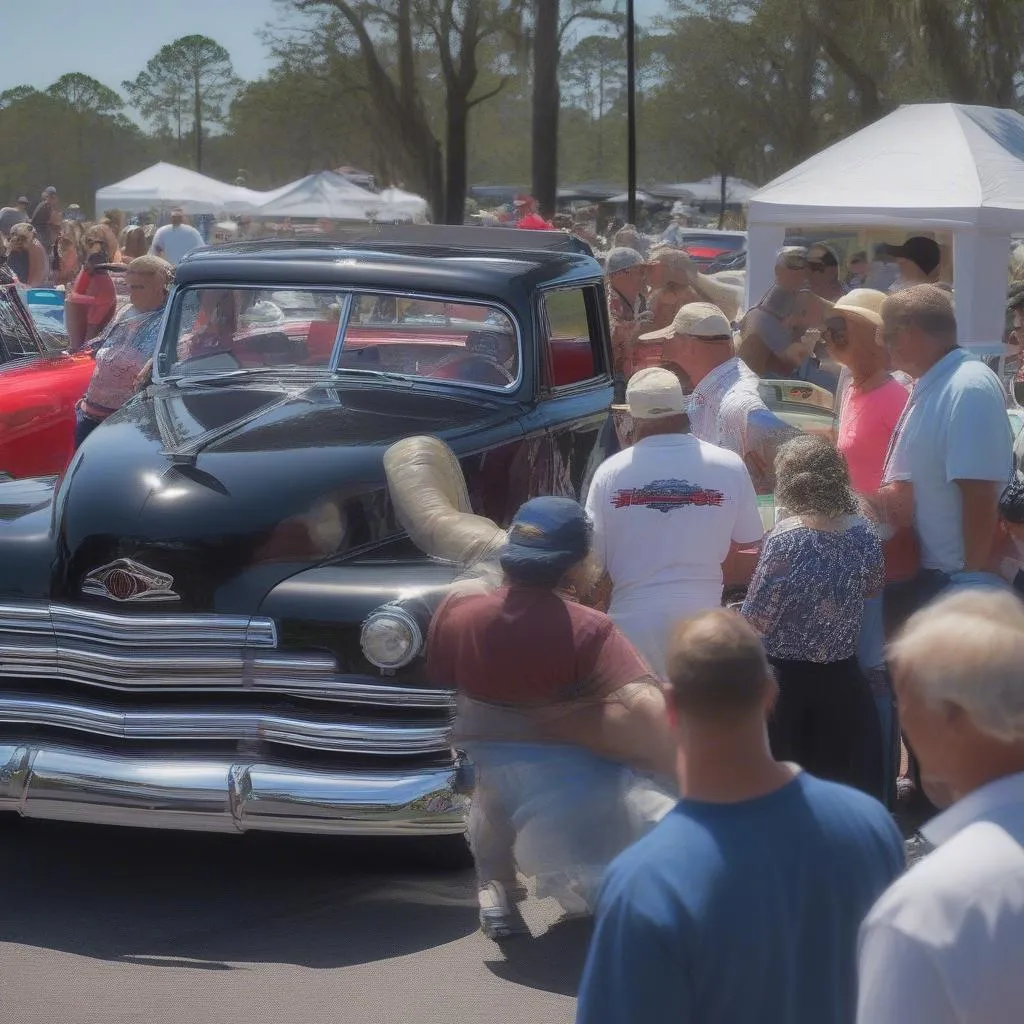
x=552, y=962
x=209, y=901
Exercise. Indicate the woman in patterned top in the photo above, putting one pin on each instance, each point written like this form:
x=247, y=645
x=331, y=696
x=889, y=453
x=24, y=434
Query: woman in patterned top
x=125, y=349
x=806, y=599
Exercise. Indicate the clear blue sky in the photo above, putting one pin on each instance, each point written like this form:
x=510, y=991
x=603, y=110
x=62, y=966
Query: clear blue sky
x=112, y=39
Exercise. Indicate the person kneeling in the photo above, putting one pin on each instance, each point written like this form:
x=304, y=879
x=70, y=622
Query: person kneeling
x=561, y=717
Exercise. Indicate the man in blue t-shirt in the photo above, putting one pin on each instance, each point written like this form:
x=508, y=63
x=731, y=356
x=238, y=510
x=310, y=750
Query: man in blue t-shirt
x=742, y=906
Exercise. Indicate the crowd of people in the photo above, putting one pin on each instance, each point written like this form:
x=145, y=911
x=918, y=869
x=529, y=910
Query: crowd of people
x=115, y=277
x=778, y=741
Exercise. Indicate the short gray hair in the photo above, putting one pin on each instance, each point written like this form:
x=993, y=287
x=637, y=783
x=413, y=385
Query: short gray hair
x=925, y=306
x=967, y=649
x=812, y=478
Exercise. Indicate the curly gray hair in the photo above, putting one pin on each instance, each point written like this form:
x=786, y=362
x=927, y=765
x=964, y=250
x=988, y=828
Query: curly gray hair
x=812, y=479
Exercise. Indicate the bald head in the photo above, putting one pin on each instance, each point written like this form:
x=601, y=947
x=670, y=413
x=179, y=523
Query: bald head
x=717, y=667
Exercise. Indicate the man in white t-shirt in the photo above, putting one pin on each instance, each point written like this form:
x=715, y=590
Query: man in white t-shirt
x=726, y=407
x=667, y=513
x=175, y=240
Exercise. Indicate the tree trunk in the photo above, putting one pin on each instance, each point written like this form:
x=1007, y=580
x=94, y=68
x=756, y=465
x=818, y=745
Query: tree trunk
x=546, y=102
x=456, y=156
x=722, y=195
x=198, y=117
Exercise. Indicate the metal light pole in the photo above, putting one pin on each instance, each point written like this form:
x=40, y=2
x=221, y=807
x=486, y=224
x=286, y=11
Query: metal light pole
x=631, y=110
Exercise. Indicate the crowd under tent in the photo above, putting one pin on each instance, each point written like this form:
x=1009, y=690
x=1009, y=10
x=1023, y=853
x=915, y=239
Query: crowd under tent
x=934, y=169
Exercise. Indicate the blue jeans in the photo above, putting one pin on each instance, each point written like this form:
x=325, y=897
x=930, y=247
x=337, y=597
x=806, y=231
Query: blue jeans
x=84, y=426
x=557, y=813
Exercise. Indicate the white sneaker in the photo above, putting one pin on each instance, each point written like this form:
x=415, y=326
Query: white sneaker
x=499, y=916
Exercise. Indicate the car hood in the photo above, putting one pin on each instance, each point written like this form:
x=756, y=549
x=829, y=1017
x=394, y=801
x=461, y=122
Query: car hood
x=229, y=490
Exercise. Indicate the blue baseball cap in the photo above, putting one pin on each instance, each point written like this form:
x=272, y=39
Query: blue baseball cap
x=548, y=536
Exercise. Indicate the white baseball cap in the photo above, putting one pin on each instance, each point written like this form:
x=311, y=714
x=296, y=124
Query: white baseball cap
x=654, y=393
x=698, y=320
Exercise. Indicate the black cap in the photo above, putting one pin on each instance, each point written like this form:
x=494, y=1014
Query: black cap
x=918, y=249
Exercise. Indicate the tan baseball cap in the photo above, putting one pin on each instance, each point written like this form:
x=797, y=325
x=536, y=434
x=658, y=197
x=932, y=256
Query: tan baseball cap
x=861, y=303
x=698, y=320
x=655, y=393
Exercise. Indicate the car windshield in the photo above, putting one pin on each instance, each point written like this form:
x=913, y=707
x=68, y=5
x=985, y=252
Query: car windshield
x=221, y=330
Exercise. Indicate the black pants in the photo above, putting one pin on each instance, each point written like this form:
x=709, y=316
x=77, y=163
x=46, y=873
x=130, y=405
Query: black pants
x=826, y=721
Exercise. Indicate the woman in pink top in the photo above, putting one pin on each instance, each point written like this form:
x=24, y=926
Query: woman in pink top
x=869, y=413
x=874, y=400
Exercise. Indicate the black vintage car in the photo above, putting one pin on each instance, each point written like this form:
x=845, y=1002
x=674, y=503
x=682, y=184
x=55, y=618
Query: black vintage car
x=196, y=627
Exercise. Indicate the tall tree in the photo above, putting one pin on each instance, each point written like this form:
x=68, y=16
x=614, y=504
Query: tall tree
x=552, y=20
x=86, y=100
x=397, y=39
x=189, y=82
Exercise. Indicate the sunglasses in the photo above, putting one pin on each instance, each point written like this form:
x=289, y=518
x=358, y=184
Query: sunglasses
x=94, y=241
x=794, y=263
x=834, y=332
x=816, y=266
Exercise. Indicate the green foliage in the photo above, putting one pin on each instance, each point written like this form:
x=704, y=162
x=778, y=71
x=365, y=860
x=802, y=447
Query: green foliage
x=185, y=88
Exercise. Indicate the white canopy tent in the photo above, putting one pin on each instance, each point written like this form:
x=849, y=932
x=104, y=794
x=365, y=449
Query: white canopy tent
x=709, y=190
x=323, y=195
x=396, y=204
x=164, y=186
x=925, y=167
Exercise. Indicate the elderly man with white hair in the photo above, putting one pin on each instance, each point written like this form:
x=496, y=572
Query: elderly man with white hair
x=945, y=943
x=725, y=407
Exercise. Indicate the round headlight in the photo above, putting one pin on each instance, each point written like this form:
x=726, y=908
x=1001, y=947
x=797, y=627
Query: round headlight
x=390, y=638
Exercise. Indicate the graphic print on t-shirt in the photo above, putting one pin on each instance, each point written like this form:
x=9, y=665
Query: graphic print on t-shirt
x=666, y=495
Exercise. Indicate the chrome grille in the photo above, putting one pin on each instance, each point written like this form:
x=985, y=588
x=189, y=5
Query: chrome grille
x=192, y=655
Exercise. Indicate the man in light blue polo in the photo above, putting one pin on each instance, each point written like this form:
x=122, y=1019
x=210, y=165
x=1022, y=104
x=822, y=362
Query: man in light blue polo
x=952, y=452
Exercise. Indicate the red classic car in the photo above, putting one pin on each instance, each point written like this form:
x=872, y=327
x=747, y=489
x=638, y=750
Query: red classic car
x=39, y=389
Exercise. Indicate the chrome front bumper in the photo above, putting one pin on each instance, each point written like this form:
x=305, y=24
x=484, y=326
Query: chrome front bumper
x=214, y=795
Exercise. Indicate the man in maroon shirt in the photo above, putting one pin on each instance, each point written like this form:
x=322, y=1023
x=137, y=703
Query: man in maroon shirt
x=553, y=703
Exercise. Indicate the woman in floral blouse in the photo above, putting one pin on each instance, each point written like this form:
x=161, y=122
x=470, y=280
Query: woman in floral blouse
x=127, y=346
x=819, y=564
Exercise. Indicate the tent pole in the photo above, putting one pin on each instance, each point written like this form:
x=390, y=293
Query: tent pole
x=631, y=110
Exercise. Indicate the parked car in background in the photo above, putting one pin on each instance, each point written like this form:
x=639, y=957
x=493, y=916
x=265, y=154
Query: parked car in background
x=200, y=628
x=705, y=245
x=40, y=386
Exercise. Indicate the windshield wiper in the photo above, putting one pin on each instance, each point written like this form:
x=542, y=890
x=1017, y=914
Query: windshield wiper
x=363, y=371
x=219, y=376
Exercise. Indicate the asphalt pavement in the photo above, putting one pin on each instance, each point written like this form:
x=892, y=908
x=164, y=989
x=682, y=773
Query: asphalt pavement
x=110, y=926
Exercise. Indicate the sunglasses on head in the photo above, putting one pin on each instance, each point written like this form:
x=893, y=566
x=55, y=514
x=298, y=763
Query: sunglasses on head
x=794, y=262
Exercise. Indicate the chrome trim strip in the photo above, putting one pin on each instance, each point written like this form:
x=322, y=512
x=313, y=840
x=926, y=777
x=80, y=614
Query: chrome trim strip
x=63, y=783
x=181, y=654
x=132, y=630
x=344, y=735
x=339, y=338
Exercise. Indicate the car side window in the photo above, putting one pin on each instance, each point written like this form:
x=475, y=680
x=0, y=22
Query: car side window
x=571, y=328
x=17, y=338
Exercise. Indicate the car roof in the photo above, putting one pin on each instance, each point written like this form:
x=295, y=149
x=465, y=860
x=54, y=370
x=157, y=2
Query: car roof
x=466, y=261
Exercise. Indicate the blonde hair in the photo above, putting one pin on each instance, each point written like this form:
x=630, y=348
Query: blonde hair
x=967, y=649
x=103, y=232
x=149, y=264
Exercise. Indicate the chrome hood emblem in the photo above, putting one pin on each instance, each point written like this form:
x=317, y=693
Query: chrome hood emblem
x=125, y=580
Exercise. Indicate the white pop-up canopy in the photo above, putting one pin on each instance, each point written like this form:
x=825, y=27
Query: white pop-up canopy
x=323, y=195
x=396, y=204
x=165, y=185
x=925, y=167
